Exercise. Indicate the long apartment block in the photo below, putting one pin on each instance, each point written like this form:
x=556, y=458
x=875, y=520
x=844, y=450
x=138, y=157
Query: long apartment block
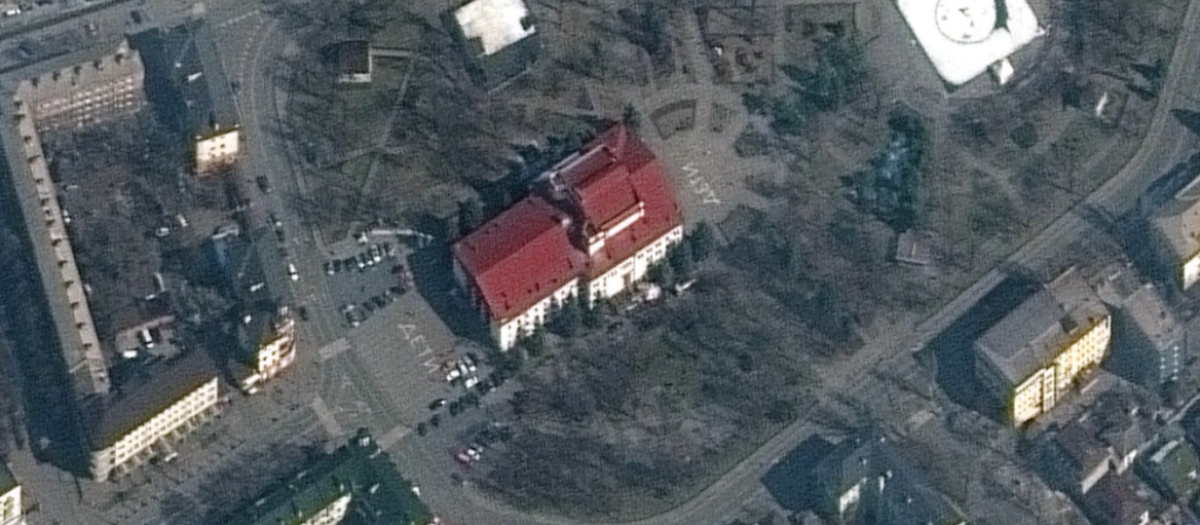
x=74, y=91
x=131, y=417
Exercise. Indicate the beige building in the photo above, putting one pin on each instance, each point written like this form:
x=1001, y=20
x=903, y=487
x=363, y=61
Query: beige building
x=193, y=65
x=273, y=352
x=69, y=309
x=148, y=418
x=1032, y=357
x=11, y=510
x=1178, y=228
x=84, y=92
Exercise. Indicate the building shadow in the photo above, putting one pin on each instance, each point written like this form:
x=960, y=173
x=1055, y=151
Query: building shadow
x=53, y=422
x=790, y=481
x=433, y=278
x=952, y=356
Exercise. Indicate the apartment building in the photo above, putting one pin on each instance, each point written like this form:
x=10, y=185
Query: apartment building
x=1034, y=355
x=595, y=224
x=868, y=480
x=1177, y=227
x=356, y=479
x=55, y=258
x=147, y=415
x=186, y=59
x=11, y=510
x=1148, y=340
x=269, y=340
x=84, y=89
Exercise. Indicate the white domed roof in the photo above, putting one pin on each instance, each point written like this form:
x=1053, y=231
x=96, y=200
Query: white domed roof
x=966, y=21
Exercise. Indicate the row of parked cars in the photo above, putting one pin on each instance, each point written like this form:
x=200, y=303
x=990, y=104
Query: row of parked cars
x=357, y=314
x=368, y=258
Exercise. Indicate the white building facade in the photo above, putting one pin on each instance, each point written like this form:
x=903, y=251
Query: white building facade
x=138, y=445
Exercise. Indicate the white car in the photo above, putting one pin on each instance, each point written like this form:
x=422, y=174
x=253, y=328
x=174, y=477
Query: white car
x=293, y=273
x=452, y=375
x=471, y=381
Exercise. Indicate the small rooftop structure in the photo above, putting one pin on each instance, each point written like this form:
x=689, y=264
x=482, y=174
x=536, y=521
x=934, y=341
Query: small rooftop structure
x=353, y=61
x=914, y=248
x=492, y=25
x=963, y=38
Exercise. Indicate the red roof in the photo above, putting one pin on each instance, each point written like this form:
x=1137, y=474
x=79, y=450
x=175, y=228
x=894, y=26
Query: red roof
x=604, y=195
x=520, y=257
x=523, y=255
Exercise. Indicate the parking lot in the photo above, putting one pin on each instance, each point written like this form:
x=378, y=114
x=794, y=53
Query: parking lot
x=365, y=280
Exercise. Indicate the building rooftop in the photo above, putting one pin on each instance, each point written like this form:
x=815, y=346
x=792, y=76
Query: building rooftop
x=359, y=469
x=905, y=495
x=1113, y=501
x=612, y=177
x=188, y=56
x=1152, y=316
x=492, y=25
x=521, y=256
x=1033, y=333
x=962, y=38
x=1179, y=224
x=55, y=258
x=158, y=385
x=1175, y=468
x=1081, y=447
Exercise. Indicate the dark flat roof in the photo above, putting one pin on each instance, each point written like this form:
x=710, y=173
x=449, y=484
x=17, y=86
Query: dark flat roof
x=140, y=399
x=353, y=57
x=194, y=67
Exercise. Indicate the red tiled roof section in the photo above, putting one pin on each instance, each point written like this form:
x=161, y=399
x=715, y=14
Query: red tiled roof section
x=605, y=196
x=519, y=257
x=647, y=182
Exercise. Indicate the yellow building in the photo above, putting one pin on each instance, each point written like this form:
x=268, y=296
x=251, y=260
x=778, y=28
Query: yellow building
x=11, y=511
x=1178, y=228
x=1035, y=355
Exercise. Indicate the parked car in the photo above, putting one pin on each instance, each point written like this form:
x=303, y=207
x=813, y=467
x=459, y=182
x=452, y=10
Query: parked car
x=293, y=273
x=437, y=403
x=303, y=311
x=329, y=270
x=264, y=184
x=351, y=319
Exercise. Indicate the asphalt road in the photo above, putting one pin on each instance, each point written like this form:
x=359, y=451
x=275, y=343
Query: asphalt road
x=249, y=51
x=1165, y=144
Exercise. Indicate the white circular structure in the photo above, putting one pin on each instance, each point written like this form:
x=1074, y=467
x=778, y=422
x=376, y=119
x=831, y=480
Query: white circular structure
x=966, y=21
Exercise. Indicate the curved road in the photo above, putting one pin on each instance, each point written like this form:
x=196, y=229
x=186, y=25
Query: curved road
x=1165, y=143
